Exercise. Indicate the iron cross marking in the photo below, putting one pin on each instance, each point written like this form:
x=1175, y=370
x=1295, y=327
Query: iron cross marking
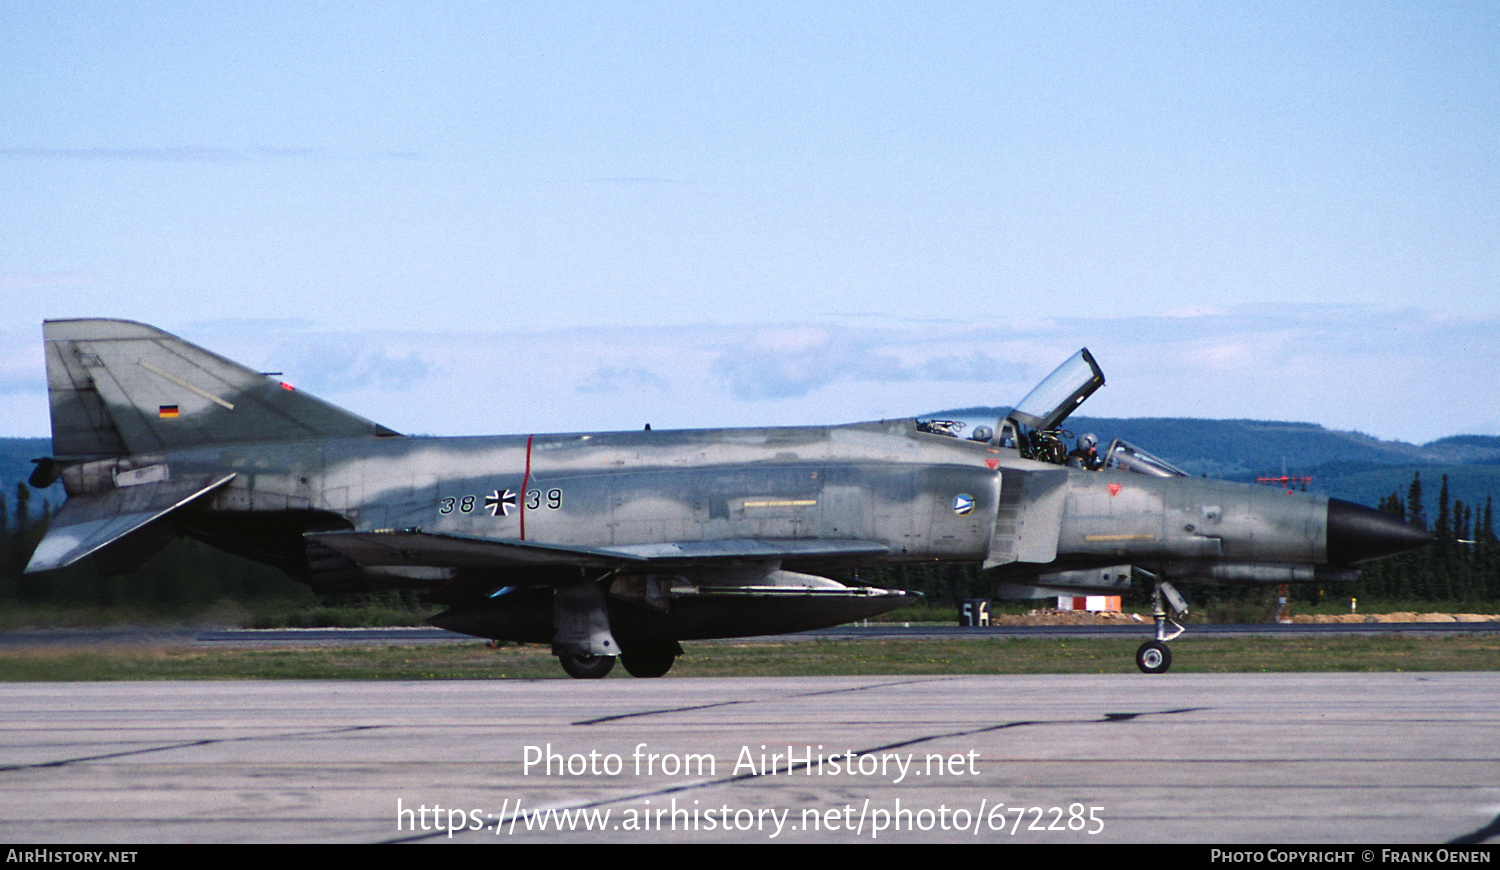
x=499, y=503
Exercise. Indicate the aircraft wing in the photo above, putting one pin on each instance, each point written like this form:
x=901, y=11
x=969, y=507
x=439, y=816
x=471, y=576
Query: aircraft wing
x=413, y=547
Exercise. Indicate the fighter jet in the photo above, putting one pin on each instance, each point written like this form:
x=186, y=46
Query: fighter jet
x=622, y=544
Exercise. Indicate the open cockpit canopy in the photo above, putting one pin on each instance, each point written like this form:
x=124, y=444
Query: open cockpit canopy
x=1052, y=400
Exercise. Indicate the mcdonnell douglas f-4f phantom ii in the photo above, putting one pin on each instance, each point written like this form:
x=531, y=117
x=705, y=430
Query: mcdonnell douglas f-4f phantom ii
x=620, y=545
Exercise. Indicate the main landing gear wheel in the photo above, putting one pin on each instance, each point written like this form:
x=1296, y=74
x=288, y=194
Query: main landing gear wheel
x=1153, y=657
x=647, y=662
x=586, y=667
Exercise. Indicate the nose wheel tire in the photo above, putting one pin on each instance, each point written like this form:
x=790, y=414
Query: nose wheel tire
x=1153, y=657
x=586, y=667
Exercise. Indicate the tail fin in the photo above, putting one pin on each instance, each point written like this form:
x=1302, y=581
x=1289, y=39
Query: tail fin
x=120, y=388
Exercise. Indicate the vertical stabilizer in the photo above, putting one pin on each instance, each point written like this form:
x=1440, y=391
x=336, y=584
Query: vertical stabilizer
x=118, y=388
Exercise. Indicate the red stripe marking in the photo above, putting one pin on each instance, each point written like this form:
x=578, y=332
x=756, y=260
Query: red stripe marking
x=525, y=482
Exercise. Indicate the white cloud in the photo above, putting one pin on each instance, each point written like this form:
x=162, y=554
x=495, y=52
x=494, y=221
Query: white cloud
x=779, y=363
x=340, y=363
x=614, y=379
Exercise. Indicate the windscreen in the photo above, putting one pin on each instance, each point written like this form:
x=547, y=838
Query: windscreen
x=1132, y=458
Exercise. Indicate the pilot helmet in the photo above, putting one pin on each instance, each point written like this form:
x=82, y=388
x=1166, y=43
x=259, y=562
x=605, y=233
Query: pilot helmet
x=1087, y=441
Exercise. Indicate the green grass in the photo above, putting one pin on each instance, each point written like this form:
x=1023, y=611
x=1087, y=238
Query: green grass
x=1477, y=652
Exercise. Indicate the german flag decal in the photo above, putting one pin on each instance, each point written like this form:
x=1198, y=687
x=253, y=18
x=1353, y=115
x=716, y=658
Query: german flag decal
x=167, y=412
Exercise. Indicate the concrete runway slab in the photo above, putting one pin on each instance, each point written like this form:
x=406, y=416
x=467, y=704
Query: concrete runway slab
x=1273, y=758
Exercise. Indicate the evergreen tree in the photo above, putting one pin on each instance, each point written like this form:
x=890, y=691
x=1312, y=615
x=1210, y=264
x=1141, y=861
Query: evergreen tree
x=1442, y=528
x=1462, y=553
x=1440, y=583
x=23, y=507
x=1414, y=512
x=1487, y=552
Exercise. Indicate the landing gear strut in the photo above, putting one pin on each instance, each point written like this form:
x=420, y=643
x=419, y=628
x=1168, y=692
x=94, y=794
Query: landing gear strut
x=1154, y=656
x=582, y=640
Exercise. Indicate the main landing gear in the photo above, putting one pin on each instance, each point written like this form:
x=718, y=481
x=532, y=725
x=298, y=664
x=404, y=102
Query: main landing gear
x=649, y=661
x=585, y=645
x=1154, y=656
x=582, y=641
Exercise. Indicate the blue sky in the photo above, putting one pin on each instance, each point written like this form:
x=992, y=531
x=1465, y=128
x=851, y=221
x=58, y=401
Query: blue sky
x=471, y=218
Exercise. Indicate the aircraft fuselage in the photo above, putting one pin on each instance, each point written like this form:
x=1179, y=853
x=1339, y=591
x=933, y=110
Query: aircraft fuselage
x=925, y=497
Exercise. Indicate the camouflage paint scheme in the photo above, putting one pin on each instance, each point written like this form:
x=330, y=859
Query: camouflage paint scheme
x=609, y=544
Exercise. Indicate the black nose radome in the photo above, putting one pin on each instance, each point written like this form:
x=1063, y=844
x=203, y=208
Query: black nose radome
x=1357, y=533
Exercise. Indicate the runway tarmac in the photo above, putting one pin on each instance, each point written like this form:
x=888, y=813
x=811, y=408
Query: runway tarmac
x=1237, y=758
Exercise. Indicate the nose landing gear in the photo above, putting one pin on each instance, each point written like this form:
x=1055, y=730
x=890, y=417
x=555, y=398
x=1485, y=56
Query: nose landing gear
x=1154, y=656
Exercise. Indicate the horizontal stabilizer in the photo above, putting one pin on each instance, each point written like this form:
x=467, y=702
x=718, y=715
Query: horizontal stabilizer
x=413, y=547
x=88, y=523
